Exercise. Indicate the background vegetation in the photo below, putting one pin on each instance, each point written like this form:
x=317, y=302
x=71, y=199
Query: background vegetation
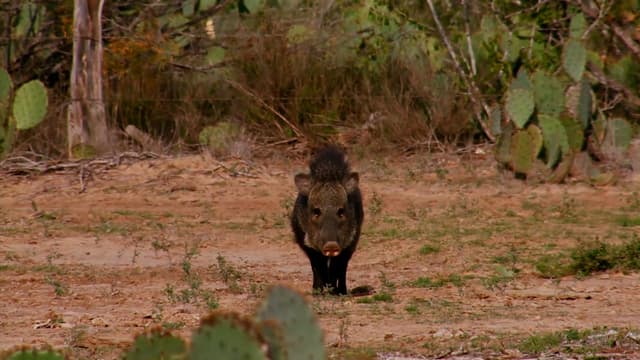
x=350, y=71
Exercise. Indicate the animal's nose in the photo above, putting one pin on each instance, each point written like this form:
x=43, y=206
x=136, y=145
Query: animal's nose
x=331, y=249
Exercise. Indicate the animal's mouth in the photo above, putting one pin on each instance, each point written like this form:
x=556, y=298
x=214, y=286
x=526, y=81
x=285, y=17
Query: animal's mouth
x=331, y=249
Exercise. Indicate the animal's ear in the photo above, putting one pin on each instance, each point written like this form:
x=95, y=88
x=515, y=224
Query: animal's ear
x=303, y=183
x=352, y=182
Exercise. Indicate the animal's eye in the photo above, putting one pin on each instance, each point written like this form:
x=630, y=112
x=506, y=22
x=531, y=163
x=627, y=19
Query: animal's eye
x=316, y=212
x=341, y=212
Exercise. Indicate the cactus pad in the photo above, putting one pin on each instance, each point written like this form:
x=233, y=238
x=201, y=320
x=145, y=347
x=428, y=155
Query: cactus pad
x=585, y=104
x=521, y=81
x=503, y=145
x=519, y=106
x=302, y=335
x=578, y=26
x=156, y=344
x=619, y=133
x=5, y=92
x=536, y=139
x=522, y=148
x=30, y=105
x=226, y=336
x=5, y=85
x=555, y=138
x=548, y=93
x=32, y=354
x=272, y=334
x=574, y=58
x=575, y=135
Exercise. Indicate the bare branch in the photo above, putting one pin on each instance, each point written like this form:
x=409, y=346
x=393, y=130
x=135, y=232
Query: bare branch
x=473, y=89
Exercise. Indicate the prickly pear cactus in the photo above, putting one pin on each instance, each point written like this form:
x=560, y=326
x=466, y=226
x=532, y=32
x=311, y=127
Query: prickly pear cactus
x=555, y=138
x=578, y=26
x=521, y=81
x=154, y=345
x=585, y=104
x=5, y=85
x=302, y=336
x=30, y=105
x=618, y=133
x=575, y=135
x=218, y=137
x=548, y=92
x=574, y=59
x=227, y=336
x=522, y=148
x=5, y=92
x=274, y=338
x=519, y=106
x=503, y=145
x=32, y=354
x=536, y=139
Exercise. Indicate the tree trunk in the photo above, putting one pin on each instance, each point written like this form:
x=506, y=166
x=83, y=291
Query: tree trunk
x=87, y=124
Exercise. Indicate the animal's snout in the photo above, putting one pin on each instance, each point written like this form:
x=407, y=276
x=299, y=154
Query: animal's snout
x=331, y=249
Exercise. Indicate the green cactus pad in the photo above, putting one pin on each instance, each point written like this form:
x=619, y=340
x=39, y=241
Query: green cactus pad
x=227, y=336
x=521, y=81
x=32, y=354
x=575, y=135
x=5, y=93
x=548, y=92
x=585, y=104
x=562, y=170
x=578, y=26
x=522, y=148
x=619, y=133
x=519, y=106
x=536, y=139
x=274, y=338
x=219, y=136
x=30, y=105
x=555, y=138
x=574, y=59
x=302, y=335
x=5, y=85
x=503, y=145
x=495, y=120
x=156, y=344
x=600, y=127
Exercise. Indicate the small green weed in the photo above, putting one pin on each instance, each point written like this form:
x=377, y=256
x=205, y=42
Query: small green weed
x=59, y=288
x=553, y=266
x=375, y=204
x=229, y=274
x=536, y=344
x=429, y=249
x=427, y=282
x=501, y=276
x=173, y=325
x=380, y=297
x=626, y=221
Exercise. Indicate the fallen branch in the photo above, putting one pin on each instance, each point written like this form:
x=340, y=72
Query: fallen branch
x=617, y=30
x=22, y=165
x=248, y=92
x=629, y=96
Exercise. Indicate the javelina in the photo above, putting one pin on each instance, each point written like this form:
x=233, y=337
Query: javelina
x=327, y=217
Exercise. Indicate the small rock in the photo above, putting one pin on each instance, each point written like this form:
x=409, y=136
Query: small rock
x=443, y=333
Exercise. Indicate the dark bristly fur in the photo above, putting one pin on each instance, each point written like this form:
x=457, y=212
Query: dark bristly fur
x=327, y=217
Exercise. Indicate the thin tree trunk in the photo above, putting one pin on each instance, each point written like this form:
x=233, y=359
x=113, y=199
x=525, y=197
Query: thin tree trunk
x=87, y=124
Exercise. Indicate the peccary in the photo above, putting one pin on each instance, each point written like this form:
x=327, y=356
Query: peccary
x=327, y=217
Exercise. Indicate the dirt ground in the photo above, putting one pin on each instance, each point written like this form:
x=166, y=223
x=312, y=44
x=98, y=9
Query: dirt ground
x=450, y=245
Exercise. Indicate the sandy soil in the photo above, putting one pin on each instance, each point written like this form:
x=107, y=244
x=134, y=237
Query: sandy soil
x=87, y=271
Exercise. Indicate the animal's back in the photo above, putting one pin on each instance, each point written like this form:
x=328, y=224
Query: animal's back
x=328, y=165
